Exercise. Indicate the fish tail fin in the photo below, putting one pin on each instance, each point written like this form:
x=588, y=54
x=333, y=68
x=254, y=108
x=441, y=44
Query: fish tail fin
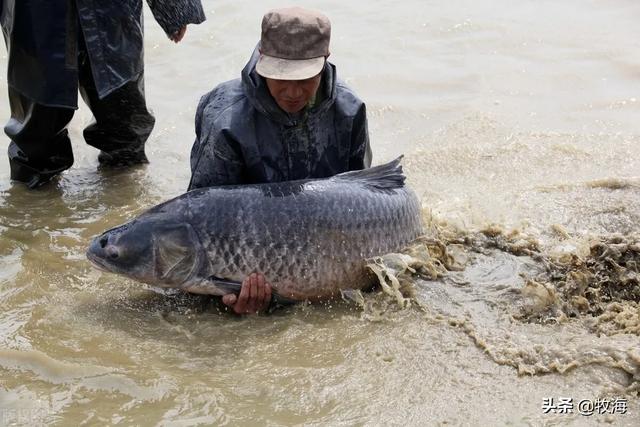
x=383, y=177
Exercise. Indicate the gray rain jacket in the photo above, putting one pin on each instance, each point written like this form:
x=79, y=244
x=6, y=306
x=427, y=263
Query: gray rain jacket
x=243, y=137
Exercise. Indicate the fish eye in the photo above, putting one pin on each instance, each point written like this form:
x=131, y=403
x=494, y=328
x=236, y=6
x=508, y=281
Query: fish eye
x=112, y=253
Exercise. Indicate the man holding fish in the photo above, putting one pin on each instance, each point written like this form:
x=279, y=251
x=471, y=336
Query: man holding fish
x=287, y=118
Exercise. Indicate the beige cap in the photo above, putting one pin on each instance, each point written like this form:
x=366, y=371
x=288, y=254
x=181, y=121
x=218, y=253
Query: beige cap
x=294, y=44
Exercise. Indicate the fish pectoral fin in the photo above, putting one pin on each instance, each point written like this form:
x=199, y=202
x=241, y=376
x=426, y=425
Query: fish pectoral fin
x=225, y=286
x=233, y=287
x=213, y=286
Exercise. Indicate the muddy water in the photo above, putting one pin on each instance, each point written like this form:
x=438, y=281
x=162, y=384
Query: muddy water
x=519, y=114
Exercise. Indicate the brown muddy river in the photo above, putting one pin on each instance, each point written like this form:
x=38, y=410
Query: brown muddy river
x=519, y=121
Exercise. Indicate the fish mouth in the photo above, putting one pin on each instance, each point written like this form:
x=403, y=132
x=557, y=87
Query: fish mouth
x=98, y=262
x=103, y=265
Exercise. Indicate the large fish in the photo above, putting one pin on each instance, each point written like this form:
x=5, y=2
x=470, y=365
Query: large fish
x=310, y=238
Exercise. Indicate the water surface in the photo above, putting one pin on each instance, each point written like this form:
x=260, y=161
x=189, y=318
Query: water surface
x=522, y=114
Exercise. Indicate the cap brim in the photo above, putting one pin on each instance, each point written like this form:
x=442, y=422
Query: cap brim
x=289, y=69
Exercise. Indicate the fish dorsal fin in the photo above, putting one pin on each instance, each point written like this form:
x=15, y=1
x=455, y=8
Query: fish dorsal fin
x=384, y=177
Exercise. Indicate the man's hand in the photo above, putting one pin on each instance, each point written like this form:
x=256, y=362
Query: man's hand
x=255, y=296
x=178, y=35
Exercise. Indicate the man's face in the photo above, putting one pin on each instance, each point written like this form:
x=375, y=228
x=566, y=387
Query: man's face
x=293, y=95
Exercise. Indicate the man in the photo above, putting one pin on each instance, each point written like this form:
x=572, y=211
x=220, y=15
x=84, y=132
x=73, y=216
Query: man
x=59, y=46
x=287, y=118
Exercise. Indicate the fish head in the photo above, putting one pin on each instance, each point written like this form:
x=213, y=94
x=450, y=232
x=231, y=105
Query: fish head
x=152, y=250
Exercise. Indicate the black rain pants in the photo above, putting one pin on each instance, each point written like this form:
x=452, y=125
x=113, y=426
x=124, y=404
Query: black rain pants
x=40, y=147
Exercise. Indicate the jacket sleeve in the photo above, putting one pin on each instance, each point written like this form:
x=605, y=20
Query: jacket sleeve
x=175, y=14
x=360, y=155
x=215, y=156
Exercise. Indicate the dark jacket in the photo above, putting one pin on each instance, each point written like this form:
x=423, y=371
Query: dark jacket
x=243, y=137
x=42, y=42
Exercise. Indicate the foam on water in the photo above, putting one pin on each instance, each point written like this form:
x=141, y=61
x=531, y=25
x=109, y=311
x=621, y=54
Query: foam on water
x=588, y=305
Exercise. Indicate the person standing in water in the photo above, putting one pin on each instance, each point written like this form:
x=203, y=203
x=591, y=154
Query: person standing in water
x=56, y=47
x=288, y=117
